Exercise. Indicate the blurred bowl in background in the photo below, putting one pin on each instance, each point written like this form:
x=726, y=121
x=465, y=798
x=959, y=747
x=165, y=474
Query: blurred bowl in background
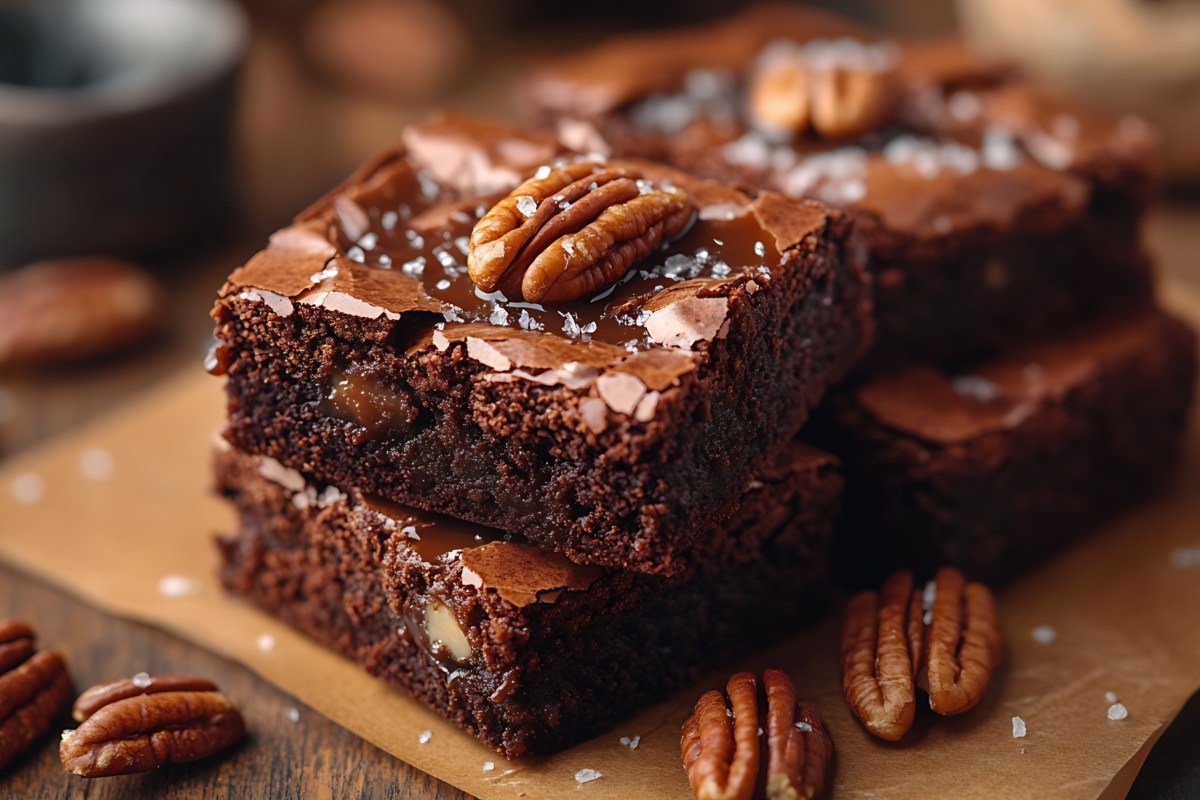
x=115, y=123
x=1121, y=55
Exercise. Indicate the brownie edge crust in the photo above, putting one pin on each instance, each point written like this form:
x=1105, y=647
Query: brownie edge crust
x=517, y=646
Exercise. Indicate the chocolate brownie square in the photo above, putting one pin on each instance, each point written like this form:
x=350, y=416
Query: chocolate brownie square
x=996, y=466
x=993, y=211
x=617, y=428
x=524, y=649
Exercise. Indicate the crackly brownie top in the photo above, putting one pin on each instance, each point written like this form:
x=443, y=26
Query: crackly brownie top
x=394, y=240
x=947, y=408
x=926, y=135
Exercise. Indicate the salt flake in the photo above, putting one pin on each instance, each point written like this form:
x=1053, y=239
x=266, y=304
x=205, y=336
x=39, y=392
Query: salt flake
x=424, y=737
x=1118, y=712
x=141, y=680
x=587, y=776
x=1044, y=634
x=1018, y=728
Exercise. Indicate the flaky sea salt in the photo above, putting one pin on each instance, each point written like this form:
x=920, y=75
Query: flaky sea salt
x=96, y=464
x=141, y=680
x=1044, y=634
x=587, y=775
x=293, y=715
x=975, y=387
x=28, y=488
x=424, y=736
x=804, y=727
x=176, y=586
x=265, y=642
x=1118, y=712
x=488, y=766
x=1018, y=728
x=1186, y=557
x=1110, y=697
x=526, y=205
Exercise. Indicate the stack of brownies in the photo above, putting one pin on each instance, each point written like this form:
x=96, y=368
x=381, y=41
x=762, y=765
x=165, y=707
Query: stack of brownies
x=537, y=497
x=1023, y=386
x=517, y=416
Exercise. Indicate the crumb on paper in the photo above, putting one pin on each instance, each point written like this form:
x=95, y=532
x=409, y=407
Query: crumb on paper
x=96, y=464
x=1118, y=712
x=424, y=736
x=1186, y=557
x=293, y=714
x=142, y=680
x=28, y=488
x=488, y=766
x=1018, y=728
x=1110, y=697
x=631, y=742
x=176, y=586
x=266, y=642
x=587, y=775
x=1044, y=634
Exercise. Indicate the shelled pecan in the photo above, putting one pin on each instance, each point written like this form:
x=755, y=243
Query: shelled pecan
x=837, y=90
x=142, y=723
x=944, y=638
x=35, y=688
x=574, y=230
x=722, y=742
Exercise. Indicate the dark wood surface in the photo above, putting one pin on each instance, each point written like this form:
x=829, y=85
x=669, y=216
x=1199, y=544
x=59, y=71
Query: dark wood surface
x=311, y=758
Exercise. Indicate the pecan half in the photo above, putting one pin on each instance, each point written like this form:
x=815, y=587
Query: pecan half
x=793, y=93
x=963, y=643
x=945, y=639
x=140, y=724
x=798, y=746
x=578, y=229
x=721, y=744
x=34, y=690
x=877, y=665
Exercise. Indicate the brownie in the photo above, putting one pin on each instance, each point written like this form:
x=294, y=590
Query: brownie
x=994, y=212
x=616, y=429
x=519, y=646
x=997, y=466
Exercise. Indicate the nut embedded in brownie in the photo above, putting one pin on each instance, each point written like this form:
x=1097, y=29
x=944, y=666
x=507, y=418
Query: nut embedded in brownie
x=517, y=645
x=997, y=467
x=634, y=344
x=993, y=211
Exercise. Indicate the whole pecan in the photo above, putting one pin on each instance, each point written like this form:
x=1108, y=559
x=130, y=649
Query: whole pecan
x=34, y=689
x=721, y=744
x=963, y=643
x=794, y=91
x=877, y=661
x=944, y=638
x=578, y=228
x=142, y=723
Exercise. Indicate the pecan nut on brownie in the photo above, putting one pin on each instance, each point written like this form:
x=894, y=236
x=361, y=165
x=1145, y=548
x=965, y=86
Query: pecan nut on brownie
x=597, y=358
x=524, y=649
x=994, y=212
x=999, y=464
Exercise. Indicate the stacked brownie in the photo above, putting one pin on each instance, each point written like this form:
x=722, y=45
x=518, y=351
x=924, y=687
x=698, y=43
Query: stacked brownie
x=536, y=504
x=1022, y=388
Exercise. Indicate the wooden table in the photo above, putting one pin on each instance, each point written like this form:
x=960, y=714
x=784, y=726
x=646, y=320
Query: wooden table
x=311, y=757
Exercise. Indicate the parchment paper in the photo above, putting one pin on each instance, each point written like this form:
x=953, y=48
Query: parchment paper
x=1125, y=606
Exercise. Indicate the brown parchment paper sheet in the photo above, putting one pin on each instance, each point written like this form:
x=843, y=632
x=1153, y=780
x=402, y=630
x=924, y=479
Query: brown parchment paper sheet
x=1127, y=619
